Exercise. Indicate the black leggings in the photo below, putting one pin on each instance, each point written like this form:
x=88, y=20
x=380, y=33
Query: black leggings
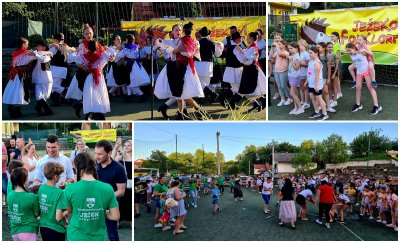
x=325, y=208
x=51, y=235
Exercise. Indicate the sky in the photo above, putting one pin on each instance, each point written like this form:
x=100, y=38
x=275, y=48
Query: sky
x=234, y=137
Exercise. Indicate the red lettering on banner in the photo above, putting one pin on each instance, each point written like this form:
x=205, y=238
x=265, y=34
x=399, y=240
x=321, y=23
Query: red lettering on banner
x=363, y=26
x=360, y=26
x=393, y=25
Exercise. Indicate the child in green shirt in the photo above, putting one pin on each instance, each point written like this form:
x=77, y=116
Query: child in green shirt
x=23, y=208
x=51, y=202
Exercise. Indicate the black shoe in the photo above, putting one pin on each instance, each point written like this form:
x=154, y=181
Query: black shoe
x=201, y=114
x=87, y=116
x=163, y=109
x=221, y=100
x=263, y=102
x=38, y=107
x=353, y=85
x=11, y=111
x=315, y=115
x=256, y=107
x=234, y=100
x=55, y=98
x=179, y=116
x=356, y=108
x=375, y=110
x=78, y=108
x=47, y=110
x=143, y=98
x=17, y=111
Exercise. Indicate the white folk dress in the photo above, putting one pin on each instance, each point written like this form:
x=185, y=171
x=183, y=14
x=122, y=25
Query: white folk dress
x=191, y=87
x=59, y=73
x=205, y=70
x=43, y=80
x=248, y=57
x=14, y=91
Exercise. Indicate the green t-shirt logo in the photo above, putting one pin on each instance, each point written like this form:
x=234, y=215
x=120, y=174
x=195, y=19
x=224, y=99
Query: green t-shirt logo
x=90, y=202
x=44, y=198
x=15, y=208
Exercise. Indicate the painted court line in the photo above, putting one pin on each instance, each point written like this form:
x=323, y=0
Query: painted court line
x=343, y=226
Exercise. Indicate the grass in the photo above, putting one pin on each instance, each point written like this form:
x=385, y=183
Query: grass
x=135, y=110
x=245, y=220
x=387, y=97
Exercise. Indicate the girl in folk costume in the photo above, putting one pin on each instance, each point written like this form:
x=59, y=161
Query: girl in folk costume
x=145, y=55
x=95, y=95
x=59, y=66
x=253, y=83
x=204, y=67
x=233, y=70
x=17, y=90
x=43, y=80
x=179, y=78
x=137, y=74
x=76, y=87
x=115, y=77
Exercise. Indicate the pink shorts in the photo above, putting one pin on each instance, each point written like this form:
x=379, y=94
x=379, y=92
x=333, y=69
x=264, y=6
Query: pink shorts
x=25, y=237
x=363, y=75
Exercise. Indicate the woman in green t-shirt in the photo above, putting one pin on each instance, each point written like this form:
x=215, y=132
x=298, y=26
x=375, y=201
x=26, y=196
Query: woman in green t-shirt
x=52, y=204
x=23, y=208
x=90, y=202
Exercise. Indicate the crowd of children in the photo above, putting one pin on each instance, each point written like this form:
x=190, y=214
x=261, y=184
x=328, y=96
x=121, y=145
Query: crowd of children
x=313, y=72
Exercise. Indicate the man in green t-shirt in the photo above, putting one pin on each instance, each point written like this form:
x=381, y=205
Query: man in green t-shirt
x=160, y=189
x=220, y=183
x=193, y=191
x=206, y=186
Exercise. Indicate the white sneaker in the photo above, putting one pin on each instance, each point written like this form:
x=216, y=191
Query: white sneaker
x=172, y=220
x=318, y=221
x=299, y=111
x=330, y=109
x=333, y=103
x=195, y=206
x=384, y=222
x=339, y=95
x=292, y=112
x=395, y=229
x=158, y=225
x=306, y=105
x=328, y=225
x=276, y=96
x=166, y=228
x=281, y=103
x=288, y=101
x=378, y=221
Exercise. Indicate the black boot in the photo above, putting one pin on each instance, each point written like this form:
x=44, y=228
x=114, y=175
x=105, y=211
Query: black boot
x=55, y=98
x=87, y=116
x=225, y=95
x=163, y=109
x=47, y=110
x=208, y=92
x=179, y=116
x=235, y=99
x=101, y=116
x=78, y=108
x=38, y=107
x=256, y=106
x=263, y=100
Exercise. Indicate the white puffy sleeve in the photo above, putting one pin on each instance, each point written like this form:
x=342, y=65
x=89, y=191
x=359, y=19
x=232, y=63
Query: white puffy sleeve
x=246, y=57
x=42, y=58
x=219, y=48
x=165, y=45
x=121, y=54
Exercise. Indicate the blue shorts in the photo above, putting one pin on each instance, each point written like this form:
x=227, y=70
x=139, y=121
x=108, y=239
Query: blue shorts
x=215, y=201
x=157, y=203
x=266, y=198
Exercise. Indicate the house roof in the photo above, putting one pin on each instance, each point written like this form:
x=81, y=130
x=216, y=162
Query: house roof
x=284, y=157
x=262, y=167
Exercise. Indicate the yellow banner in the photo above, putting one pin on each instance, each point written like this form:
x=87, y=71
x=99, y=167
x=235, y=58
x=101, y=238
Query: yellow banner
x=93, y=136
x=379, y=24
x=219, y=27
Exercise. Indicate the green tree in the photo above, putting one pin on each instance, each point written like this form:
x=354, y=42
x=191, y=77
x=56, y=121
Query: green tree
x=286, y=147
x=302, y=162
x=307, y=145
x=369, y=143
x=333, y=150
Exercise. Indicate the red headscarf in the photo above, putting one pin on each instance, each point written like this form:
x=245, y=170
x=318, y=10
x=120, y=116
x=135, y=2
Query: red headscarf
x=14, y=70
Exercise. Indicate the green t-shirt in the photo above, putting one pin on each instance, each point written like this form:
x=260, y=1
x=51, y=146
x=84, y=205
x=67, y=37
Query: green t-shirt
x=192, y=185
x=182, y=187
x=205, y=182
x=336, y=47
x=160, y=189
x=89, y=201
x=22, y=210
x=50, y=199
x=9, y=187
x=232, y=182
x=220, y=181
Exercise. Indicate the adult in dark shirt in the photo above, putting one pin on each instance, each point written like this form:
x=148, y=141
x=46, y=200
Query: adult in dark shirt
x=10, y=149
x=287, y=209
x=339, y=185
x=113, y=173
x=16, y=154
x=140, y=195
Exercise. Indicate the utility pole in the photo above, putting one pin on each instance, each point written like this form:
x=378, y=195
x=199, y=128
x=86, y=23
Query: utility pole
x=249, y=167
x=274, y=170
x=218, y=162
x=202, y=146
x=97, y=21
x=176, y=148
x=57, y=29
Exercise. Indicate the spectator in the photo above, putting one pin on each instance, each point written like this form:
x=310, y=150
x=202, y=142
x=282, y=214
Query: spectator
x=53, y=155
x=113, y=173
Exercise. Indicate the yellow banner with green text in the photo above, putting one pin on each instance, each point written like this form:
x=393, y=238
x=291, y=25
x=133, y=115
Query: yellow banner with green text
x=379, y=24
x=93, y=136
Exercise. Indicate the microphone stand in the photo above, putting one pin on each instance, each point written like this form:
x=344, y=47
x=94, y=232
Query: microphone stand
x=152, y=78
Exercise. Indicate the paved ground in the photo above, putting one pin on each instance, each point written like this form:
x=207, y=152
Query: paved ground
x=245, y=220
x=387, y=97
x=125, y=230
x=135, y=110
